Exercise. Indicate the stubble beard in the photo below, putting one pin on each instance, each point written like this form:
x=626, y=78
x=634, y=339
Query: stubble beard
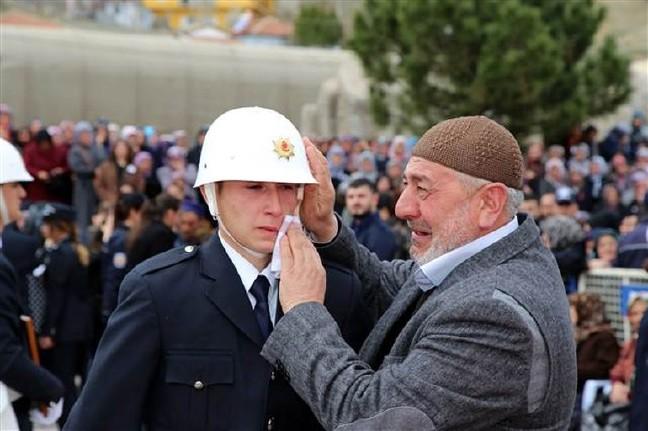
x=453, y=234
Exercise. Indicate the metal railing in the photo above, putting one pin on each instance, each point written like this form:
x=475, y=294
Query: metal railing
x=609, y=283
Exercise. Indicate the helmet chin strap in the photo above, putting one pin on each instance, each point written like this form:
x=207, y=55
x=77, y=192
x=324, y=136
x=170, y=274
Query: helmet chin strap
x=4, y=211
x=212, y=203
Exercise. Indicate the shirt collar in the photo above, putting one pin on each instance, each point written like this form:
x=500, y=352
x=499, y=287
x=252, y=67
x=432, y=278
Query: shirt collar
x=438, y=269
x=244, y=268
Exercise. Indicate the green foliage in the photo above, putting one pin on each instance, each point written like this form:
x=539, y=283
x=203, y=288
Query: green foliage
x=317, y=26
x=526, y=63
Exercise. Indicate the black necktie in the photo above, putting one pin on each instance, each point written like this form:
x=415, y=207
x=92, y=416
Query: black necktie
x=259, y=290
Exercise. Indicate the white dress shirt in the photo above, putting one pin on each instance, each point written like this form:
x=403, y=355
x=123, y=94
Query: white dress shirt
x=439, y=268
x=249, y=273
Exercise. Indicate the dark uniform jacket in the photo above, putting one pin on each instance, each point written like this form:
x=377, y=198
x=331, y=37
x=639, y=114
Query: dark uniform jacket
x=113, y=268
x=181, y=351
x=16, y=369
x=374, y=234
x=68, y=316
x=20, y=249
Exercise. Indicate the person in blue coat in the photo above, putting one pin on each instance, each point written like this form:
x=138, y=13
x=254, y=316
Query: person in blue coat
x=633, y=247
x=114, y=253
x=369, y=229
x=181, y=350
x=17, y=370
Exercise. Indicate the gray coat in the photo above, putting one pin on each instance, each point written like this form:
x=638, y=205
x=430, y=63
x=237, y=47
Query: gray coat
x=83, y=161
x=490, y=348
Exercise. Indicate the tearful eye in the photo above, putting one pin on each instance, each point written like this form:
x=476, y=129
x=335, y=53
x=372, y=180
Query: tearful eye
x=422, y=193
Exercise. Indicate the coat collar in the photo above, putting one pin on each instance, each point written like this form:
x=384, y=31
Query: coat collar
x=498, y=252
x=226, y=291
x=439, y=268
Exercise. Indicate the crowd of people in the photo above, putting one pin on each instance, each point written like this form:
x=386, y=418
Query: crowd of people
x=105, y=198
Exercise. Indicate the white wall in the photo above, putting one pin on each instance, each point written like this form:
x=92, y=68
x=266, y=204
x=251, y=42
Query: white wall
x=152, y=79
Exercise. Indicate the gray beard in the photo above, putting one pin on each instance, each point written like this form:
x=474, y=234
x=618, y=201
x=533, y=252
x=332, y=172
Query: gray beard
x=452, y=235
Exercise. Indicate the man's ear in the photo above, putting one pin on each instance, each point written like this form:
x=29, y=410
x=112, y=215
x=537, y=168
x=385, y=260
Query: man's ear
x=492, y=205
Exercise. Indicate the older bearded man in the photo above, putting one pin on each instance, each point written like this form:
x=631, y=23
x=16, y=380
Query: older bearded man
x=474, y=334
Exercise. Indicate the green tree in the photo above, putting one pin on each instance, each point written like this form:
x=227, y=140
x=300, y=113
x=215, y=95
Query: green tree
x=317, y=26
x=526, y=63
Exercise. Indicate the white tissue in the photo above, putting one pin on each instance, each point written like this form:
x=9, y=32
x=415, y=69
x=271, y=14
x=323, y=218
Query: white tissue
x=275, y=264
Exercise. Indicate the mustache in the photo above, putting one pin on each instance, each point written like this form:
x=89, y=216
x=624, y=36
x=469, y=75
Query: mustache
x=421, y=227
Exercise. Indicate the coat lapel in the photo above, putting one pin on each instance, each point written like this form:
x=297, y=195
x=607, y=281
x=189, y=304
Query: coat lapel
x=226, y=291
x=403, y=301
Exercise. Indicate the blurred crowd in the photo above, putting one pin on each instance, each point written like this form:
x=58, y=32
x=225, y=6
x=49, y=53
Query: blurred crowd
x=589, y=196
x=119, y=194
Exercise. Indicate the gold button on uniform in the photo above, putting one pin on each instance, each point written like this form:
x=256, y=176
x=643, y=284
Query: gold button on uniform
x=199, y=385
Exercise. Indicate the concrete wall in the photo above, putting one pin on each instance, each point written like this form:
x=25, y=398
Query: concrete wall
x=153, y=79
x=58, y=74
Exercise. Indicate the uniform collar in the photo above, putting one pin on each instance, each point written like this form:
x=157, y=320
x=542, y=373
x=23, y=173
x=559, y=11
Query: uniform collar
x=246, y=271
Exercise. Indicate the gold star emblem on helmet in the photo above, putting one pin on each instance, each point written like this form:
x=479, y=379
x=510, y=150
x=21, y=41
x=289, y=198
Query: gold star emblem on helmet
x=284, y=148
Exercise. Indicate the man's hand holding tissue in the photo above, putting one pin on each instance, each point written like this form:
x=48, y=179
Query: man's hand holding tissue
x=303, y=278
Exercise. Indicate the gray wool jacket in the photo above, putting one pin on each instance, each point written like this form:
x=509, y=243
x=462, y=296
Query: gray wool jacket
x=491, y=348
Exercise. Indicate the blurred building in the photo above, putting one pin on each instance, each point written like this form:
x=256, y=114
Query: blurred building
x=171, y=83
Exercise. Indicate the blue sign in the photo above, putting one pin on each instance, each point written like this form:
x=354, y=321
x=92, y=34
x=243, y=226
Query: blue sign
x=629, y=293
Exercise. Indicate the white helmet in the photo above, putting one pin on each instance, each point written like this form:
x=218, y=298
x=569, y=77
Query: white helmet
x=12, y=168
x=253, y=144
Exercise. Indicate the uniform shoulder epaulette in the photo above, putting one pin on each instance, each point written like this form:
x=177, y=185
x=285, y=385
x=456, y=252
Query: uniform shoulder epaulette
x=166, y=259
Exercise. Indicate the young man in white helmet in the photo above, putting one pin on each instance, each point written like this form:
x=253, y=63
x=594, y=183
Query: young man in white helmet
x=17, y=371
x=181, y=350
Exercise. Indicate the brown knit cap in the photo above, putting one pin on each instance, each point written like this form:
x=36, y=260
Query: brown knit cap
x=476, y=146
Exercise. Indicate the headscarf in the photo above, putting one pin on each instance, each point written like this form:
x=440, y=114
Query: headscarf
x=371, y=175
x=337, y=170
x=398, y=150
x=79, y=128
x=562, y=231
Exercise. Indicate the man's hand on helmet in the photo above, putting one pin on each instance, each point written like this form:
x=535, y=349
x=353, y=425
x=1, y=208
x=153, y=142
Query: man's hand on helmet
x=316, y=212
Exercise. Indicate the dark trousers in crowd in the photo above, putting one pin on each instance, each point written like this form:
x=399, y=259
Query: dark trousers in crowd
x=67, y=360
